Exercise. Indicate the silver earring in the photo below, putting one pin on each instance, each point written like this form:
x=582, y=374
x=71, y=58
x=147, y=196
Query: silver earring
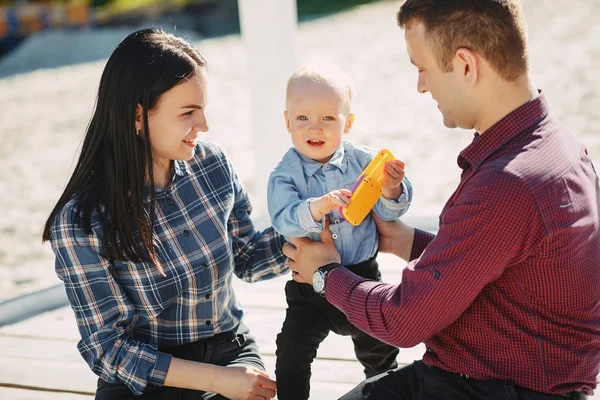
x=137, y=132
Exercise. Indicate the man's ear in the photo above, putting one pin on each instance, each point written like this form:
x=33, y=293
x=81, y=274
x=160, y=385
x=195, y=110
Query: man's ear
x=139, y=117
x=349, y=122
x=287, y=121
x=466, y=62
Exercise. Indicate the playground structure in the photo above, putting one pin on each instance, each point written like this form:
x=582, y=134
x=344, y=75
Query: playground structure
x=24, y=18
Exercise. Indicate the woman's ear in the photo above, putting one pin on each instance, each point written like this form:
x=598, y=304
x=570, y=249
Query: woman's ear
x=349, y=122
x=139, y=118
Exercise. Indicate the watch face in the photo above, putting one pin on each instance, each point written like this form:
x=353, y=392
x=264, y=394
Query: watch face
x=318, y=282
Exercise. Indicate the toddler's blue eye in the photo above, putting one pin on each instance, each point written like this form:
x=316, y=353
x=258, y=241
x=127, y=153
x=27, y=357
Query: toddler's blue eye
x=329, y=118
x=302, y=118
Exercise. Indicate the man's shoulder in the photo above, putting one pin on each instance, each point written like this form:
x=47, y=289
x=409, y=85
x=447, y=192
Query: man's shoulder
x=539, y=156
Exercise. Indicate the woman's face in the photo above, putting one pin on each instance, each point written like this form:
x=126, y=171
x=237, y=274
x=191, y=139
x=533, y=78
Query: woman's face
x=176, y=122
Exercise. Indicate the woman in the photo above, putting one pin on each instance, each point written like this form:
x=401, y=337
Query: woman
x=149, y=230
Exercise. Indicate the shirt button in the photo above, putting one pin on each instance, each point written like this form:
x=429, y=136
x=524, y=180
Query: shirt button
x=170, y=201
x=436, y=274
x=337, y=221
x=208, y=323
x=186, y=233
x=326, y=166
x=204, y=267
x=207, y=296
x=334, y=236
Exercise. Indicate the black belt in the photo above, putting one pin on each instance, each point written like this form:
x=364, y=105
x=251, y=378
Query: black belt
x=202, y=344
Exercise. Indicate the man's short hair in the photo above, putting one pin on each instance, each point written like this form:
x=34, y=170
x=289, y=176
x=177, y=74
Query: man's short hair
x=496, y=29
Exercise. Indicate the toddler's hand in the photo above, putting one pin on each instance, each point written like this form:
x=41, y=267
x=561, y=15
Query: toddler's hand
x=323, y=205
x=393, y=173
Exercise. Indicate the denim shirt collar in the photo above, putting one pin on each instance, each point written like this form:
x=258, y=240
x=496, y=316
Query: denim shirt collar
x=337, y=160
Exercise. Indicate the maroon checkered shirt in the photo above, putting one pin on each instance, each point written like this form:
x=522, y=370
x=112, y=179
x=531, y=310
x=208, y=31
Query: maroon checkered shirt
x=509, y=288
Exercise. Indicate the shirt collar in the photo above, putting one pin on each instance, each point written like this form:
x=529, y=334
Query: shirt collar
x=503, y=131
x=180, y=168
x=337, y=160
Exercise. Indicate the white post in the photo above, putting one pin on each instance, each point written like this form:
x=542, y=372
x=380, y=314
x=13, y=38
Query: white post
x=268, y=30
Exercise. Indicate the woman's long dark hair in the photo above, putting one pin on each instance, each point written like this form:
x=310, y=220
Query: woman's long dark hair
x=115, y=162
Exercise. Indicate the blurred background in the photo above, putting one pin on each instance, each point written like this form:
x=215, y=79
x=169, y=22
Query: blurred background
x=208, y=18
x=52, y=54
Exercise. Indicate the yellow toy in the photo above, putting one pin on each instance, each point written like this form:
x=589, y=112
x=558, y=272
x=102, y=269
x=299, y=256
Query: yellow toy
x=367, y=189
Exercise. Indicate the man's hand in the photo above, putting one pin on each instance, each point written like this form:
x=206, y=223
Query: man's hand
x=394, y=237
x=305, y=256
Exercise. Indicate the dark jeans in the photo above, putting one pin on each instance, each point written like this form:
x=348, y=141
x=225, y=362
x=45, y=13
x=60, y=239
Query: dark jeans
x=309, y=319
x=421, y=382
x=230, y=348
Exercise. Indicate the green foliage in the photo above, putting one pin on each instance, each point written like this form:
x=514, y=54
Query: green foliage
x=308, y=8
x=99, y=3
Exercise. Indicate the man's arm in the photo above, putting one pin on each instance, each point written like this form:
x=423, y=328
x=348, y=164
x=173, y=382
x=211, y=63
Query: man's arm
x=395, y=237
x=480, y=236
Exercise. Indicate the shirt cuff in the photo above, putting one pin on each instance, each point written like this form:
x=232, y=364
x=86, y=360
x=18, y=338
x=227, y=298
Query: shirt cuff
x=158, y=374
x=420, y=241
x=338, y=283
x=402, y=203
x=306, y=220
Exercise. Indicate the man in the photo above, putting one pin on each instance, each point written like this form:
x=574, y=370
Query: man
x=506, y=296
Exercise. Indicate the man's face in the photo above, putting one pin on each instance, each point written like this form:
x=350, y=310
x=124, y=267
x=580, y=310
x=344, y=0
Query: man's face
x=444, y=86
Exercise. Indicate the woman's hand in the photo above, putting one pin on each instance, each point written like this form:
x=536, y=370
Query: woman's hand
x=244, y=383
x=236, y=383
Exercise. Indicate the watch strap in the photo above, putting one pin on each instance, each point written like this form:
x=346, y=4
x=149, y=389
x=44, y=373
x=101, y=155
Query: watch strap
x=329, y=267
x=325, y=270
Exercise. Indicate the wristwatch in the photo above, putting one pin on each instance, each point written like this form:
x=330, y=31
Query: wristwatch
x=318, y=279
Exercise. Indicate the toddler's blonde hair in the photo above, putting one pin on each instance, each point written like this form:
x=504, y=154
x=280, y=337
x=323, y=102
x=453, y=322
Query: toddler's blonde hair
x=322, y=71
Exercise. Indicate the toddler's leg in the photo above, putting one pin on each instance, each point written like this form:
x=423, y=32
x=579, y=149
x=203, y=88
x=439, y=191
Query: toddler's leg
x=304, y=328
x=373, y=354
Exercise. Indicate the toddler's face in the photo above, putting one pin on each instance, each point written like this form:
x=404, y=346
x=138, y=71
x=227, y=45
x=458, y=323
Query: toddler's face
x=317, y=116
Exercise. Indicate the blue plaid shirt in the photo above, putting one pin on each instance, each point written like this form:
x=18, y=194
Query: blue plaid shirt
x=204, y=234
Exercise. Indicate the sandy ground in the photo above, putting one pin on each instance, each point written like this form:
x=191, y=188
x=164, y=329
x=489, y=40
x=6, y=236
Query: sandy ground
x=43, y=114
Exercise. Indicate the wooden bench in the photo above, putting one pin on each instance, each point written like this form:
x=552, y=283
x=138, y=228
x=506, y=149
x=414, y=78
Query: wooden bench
x=39, y=357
